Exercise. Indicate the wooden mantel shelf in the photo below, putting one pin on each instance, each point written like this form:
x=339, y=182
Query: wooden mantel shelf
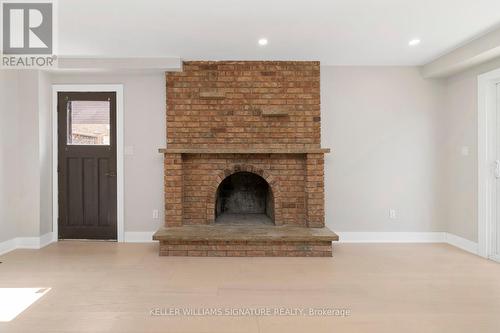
x=244, y=150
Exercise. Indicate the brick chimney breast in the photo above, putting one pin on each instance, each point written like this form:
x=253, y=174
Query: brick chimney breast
x=244, y=104
x=259, y=117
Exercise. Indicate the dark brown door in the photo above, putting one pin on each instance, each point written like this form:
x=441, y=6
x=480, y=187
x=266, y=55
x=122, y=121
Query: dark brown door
x=87, y=165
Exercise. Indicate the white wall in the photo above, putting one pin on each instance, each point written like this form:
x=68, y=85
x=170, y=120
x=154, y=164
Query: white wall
x=385, y=127
x=20, y=162
x=27, y=177
x=144, y=131
x=8, y=131
x=461, y=176
x=45, y=151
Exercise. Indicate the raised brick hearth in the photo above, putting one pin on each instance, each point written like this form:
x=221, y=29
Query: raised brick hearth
x=242, y=120
x=241, y=241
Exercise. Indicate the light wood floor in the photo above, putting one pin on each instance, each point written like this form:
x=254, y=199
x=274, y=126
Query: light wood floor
x=104, y=287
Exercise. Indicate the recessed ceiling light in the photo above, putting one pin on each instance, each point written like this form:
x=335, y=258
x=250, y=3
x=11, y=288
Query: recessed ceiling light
x=263, y=41
x=414, y=42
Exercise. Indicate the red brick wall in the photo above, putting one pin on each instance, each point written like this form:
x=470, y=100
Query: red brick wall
x=245, y=249
x=223, y=104
x=255, y=104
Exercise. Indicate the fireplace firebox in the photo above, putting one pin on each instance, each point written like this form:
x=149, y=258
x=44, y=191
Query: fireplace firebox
x=244, y=198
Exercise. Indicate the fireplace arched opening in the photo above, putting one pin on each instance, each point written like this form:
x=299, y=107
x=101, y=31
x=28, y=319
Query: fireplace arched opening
x=244, y=198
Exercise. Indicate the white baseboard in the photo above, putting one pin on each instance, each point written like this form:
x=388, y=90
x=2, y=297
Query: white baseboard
x=139, y=236
x=7, y=246
x=462, y=243
x=391, y=237
x=26, y=243
x=47, y=239
x=409, y=237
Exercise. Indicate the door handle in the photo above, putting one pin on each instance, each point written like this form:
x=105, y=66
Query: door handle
x=497, y=168
x=111, y=174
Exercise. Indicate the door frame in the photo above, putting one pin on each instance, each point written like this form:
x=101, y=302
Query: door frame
x=118, y=89
x=486, y=145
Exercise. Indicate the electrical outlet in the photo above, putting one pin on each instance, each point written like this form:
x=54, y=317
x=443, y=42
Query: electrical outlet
x=156, y=214
x=128, y=150
x=464, y=151
x=392, y=213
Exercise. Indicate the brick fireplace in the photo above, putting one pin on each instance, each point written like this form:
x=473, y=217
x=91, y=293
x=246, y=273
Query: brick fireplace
x=243, y=163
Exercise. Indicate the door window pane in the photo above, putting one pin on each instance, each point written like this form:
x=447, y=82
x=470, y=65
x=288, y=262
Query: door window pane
x=88, y=122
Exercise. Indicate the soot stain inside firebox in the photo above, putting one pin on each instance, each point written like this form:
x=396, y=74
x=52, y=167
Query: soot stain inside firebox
x=244, y=198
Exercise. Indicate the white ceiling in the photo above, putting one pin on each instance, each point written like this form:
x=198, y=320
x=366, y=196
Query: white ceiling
x=336, y=32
